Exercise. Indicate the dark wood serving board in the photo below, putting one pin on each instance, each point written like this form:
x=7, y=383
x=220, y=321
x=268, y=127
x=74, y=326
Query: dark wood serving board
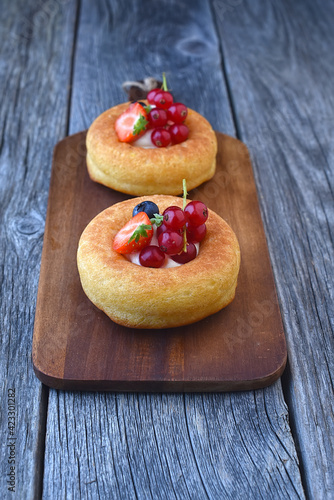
x=76, y=346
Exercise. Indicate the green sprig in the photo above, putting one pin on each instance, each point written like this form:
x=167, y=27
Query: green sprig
x=140, y=125
x=157, y=219
x=140, y=231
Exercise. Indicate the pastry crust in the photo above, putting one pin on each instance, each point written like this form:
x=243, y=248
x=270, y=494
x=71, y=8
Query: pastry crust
x=139, y=171
x=142, y=297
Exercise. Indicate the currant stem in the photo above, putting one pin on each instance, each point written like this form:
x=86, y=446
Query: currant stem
x=185, y=194
x=164, y=81
x=184, y=183
x=185, y=243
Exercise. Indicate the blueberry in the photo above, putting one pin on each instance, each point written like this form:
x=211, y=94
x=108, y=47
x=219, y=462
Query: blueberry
x=148, y=207
x=140, y=102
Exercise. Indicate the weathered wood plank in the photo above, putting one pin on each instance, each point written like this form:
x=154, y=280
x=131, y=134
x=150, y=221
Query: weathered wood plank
x=169, y=446
x=34, y=78
x=162, y=446
x=280, y=68
x=137, y=39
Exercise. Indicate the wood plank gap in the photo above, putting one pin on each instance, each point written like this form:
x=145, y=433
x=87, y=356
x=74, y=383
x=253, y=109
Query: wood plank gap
x=225, y=75
x=44, y=404
x=192, y=447
x=286, y=381
x=39, y=471
x=286, y=378
x=74, y=49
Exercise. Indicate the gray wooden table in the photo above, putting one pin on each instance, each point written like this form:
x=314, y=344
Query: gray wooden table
x=262, y=71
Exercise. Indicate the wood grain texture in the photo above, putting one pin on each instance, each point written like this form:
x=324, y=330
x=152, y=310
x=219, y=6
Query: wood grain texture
x=25, y=153
x=162, y=446
x=284, y=100
x=34, y=75
x=126, y=45
x=34, y=80
x=169, y=446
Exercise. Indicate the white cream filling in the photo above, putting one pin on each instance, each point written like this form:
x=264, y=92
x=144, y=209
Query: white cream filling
x=144, y=141
x=169, y=262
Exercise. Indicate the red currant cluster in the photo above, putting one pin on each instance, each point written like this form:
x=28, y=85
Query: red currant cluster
x=180, y=229
x=166, y=119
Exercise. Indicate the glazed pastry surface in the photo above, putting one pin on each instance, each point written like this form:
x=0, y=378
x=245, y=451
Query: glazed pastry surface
x=142, y=297
x=140, y=171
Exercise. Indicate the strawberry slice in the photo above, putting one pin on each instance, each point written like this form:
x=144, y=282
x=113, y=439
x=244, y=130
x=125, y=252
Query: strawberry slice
x=131, y=124
x=136, y=234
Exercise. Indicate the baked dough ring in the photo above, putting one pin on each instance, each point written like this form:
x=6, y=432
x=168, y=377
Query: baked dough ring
x=139, y=171
x=143, y=297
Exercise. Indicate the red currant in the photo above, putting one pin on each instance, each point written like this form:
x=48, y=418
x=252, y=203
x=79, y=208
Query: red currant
x=157, y=117
x=161, y=229
x=161, y=137
x=151, y=95
x=164, y=229
x=177, y=113
x=171, y=242
x=187, y=256
x=163, y=99
x=179, y=133
x=195, y=234
x=151, y=256
x=196, y=212
x=174, y=217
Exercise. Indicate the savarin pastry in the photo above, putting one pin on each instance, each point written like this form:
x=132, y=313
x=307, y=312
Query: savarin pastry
x=147, y=297
x=146, y=148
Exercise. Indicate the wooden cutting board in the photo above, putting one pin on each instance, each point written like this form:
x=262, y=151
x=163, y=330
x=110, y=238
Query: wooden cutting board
x=76, y=346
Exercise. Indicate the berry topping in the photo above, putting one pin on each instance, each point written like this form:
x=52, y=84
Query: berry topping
x=179, y=133
x=196, y=212
x=171, y=242
x=161, y=121
x=136, y=234
x=186, y=256
x=161, y=229
x=161, y=137
x=142, y=103
x=174, y=218
x=148, y=207
x=151, y=256
x=177, y=112
x=131, y=124
x=163, y=99
x=195, y=234
x=155, y=240
x=157, y=117
x=151, y=95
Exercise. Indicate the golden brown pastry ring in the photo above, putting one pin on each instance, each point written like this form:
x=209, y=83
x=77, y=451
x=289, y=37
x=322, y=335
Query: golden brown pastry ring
x=142, y=297
x=139, y=171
